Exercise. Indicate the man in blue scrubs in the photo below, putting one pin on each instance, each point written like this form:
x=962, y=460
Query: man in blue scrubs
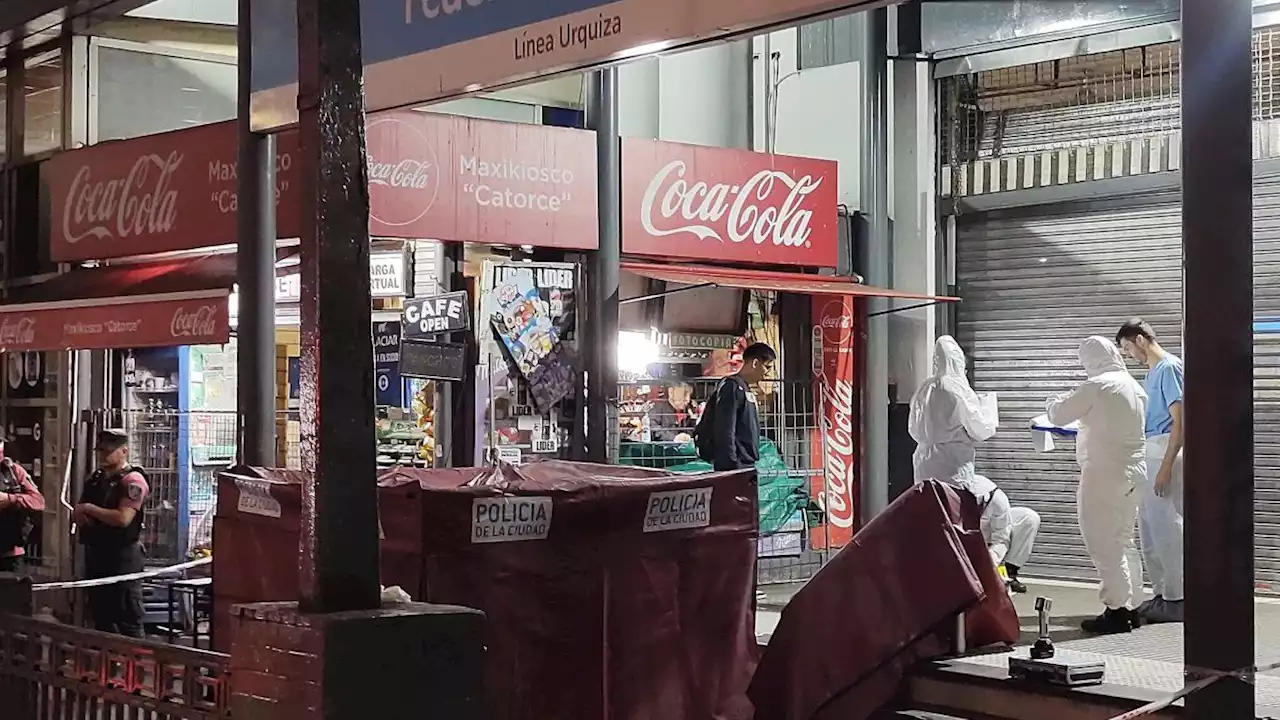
x=1160, y=497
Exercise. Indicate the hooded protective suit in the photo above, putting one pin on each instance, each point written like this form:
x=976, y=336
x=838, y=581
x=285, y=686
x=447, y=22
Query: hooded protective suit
x=1111, y=407
x=947, y=421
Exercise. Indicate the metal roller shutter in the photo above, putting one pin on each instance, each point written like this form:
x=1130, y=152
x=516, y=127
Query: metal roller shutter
x=1038, y=280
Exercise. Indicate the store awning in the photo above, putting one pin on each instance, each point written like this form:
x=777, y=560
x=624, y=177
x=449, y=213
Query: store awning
x=152, y=304
x=711, y=275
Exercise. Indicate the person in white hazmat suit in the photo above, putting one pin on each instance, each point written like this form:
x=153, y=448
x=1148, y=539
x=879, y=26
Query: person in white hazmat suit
x=1111, y=407
x=947, y=421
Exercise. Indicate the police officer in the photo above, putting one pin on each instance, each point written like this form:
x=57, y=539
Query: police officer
x=20, y=503
x=110, y=516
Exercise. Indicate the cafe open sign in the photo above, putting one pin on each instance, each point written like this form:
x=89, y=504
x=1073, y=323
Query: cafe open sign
x=426, y=317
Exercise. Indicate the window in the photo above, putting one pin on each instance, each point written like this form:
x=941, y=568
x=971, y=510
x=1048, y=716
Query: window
x=829, y=42
x=42, y=123
x=177, y=92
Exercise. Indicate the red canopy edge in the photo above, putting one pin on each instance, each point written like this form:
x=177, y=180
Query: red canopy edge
x=165, y=303
x=770, y=280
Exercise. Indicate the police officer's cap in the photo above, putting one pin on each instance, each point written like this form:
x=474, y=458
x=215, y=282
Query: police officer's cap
x=112, y=439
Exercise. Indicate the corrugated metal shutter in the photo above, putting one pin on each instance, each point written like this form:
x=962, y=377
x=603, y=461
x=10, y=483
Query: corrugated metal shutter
x=1037, y=281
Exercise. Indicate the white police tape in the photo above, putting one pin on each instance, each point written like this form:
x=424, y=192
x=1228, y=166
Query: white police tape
x=1206, y=678
x=98, y=582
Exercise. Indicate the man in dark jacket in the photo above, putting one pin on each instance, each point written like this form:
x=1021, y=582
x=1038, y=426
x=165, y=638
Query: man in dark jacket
x=735, y=422
x=20, y=504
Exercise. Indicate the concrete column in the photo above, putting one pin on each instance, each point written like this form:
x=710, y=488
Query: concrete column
x=1217, y=246
x=339, y=535
x=700, y=97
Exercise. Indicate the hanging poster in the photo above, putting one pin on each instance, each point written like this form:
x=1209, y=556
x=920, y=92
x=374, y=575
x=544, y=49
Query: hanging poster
x=522, y=323
x=529, y=404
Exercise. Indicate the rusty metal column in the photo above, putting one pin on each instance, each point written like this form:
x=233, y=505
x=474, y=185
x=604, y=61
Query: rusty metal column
x=1217, y=241
x=339, y=537
x=255, y=272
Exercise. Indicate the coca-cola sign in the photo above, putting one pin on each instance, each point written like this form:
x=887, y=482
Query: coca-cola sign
x=430, y=176
x=836, y=441
x=17, y=330
x=463, y=180
x=137, y=322
x=194, y=322
x=685, y=201
x=156, y=193
x=403, y=169
x=139, y=202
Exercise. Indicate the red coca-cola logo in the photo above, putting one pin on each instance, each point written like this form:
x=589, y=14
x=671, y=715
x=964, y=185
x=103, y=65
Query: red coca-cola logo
x=201, y=322
x=17, y=330
x=838, y=455
x=769, y=207
x=836, y=321
x=404, y=173
x=141, y=202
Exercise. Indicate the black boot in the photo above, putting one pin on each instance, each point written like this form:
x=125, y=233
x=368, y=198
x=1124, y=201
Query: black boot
x=1121, y=620
x=1015, y=585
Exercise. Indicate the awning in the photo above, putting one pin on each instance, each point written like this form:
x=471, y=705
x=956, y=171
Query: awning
x=711, y=275
x=153, y=304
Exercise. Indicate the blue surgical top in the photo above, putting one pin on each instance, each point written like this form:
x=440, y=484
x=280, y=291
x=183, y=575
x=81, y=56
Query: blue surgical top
x=1164, y=388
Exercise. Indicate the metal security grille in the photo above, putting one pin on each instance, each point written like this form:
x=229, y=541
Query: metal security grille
x=181, y=454
x=790, y=472
x=1106, y=99
x=1037, y=281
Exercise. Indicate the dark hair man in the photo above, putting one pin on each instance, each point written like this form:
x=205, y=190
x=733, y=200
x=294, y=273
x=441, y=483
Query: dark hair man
x=728, y=436
x=110, y=515
x=20, y=502
x=1160, y=496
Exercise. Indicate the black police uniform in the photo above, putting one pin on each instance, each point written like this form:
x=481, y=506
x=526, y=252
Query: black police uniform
x=15, y=524
x=110, y=551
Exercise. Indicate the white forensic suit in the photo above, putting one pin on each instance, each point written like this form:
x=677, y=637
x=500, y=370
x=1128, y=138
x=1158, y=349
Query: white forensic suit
x=947, y=421
x=1111, y=408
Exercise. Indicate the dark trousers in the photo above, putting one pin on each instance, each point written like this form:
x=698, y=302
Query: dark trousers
x=11, y=564
x=115, y=608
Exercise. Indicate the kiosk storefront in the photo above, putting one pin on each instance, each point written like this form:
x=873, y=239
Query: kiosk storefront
x=160, y=211
x=714, y=224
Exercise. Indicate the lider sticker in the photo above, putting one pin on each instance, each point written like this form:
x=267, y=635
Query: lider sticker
x=678, y=510
x=510, y=519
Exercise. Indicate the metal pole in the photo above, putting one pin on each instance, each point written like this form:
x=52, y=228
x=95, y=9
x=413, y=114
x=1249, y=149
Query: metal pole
x=255, y=272
x=874, y=487
x=602, y=378
x=339, y=533
x=1217, y=246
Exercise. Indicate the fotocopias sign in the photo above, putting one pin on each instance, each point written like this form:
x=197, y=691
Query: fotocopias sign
x=421, y=50
x=693, y=202
x=430, y=176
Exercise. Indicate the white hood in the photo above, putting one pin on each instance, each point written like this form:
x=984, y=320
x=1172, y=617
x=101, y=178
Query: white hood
x=1099, y=355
